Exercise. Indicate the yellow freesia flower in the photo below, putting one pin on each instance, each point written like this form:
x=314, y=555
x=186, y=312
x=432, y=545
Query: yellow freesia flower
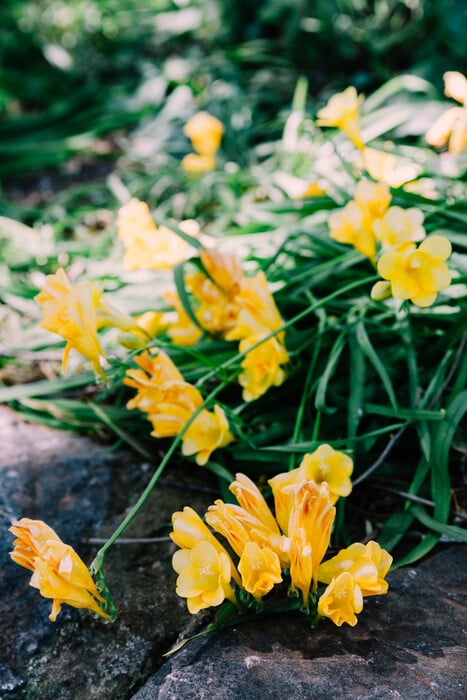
x=399, y=226
x=419, y=273
x=282, y=486
x=451, y=126
x=260, y=569
x=208, y=432
x=224, y=269
x=58, y=572
x=328, y=465
x=301, y=564
x=343, y=112
x=77, y=312
x=181, y=330
x=389, y=168
x=252, y=500
x=313, y=513
x=348, y=225
x=341, y=600
x=205, y=133
x=234, y=523
x=258, y=313
x=204, y=576
x=368, y=564
x=148, y=246
x=262, y=366
x=156, y=370
x=197, y=164
x=372, y=198
x=216, y=312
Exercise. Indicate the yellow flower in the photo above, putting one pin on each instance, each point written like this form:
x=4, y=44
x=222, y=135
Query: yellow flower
x=372, y=198
x=341, y=600
x=381, y=291
x=399, y=226
x=182, y=331
x=389, y=168
x=148, y=246
x=260, y=569
x=252, y=500
x=205, y=133
x=343, y=111
x=197, y=164
x=151, y=323
x=313, y=189
x=348, y=225
x=58, y=572
x=258, y=313
x=156, y=370
x=417, y=274
x=262, y=366
x=179, y=400
x=77, y=312
x=224, y=269
x=234, y=523
x=451, y=126
x=204, y=576
x=313, y=513
x=208, y=432
x=301, y=564
x=282, y=486
x=216, y=312
x=368, y=564
x=327, y=465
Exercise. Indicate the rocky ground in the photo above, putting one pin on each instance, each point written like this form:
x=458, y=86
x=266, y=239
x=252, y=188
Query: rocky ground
x=408, y=644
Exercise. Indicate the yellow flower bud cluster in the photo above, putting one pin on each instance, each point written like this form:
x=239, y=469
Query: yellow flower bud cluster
x=205, y=133
x=234, y=307
x=58, y=572
x=369, y=224
x=289, y=545
x=170, y=402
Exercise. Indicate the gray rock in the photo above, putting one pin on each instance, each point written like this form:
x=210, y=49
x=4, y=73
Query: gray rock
x=406, y=645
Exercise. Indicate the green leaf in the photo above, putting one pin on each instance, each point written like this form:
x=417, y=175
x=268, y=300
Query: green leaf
x=179, y=279
x=366, y=346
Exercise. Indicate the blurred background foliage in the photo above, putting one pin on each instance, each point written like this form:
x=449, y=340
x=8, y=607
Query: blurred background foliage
x=73, y=71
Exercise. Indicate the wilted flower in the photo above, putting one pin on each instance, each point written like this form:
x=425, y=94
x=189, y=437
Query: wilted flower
x=205, y=133
x=260, y=569
x=77, y=312
x=368, y=565
x=451, y=126
x=343, y=112
x=399, y=226
x=58, y=572
x=203, y=576
x=341, y=600
x=419, y=273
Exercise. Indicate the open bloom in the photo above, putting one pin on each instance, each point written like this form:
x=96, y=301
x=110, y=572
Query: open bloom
x=348, y=225
x=77, y=312
x=419, y=273
x=170, y=403
x=394, y=170
x=262, y=366
x=341, y=600
x=343, y=111
x=368, y=564
x=451, y=126
x=399, y=226
x=148, y=246
x=58, y=572
x=205, y=133
x=260, y=569
x=204, y=576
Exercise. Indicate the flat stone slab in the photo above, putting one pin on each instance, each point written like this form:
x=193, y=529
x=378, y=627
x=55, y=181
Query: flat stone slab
x=408, y=644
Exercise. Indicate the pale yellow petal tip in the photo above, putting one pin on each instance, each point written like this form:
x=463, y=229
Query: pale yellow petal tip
x=198, y=164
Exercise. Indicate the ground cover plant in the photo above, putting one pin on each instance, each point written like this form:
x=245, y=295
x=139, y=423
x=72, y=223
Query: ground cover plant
x=279, y=300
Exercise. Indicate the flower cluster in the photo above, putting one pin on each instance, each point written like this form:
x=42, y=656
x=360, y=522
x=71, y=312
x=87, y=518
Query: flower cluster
x=233, y=306
x=170, y=402
x=205, y=133
x=58, y=572
x=271, y=549
x=371, y=225
x=451, y=127
x=77, y=312
x=148, y=246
